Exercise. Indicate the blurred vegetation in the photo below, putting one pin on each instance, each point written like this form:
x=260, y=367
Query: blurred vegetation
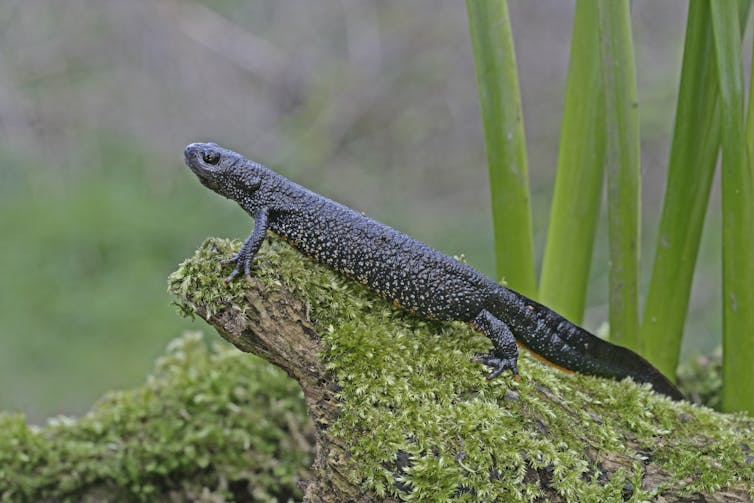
x=701, y=380
x=373, y=103
x=88, y=272
x=208, y=425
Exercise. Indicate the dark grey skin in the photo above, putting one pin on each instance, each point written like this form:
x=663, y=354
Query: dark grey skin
x=408, y=272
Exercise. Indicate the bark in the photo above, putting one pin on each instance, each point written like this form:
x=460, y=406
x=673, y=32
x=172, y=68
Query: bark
x=276, y=328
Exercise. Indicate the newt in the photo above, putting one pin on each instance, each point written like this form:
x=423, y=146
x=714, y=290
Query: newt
x=409, y=273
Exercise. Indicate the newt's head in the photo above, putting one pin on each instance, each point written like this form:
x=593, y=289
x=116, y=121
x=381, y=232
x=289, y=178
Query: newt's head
x=224, y=171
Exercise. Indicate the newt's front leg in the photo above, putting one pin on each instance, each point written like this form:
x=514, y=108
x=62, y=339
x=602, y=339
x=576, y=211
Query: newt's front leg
x=249, y=248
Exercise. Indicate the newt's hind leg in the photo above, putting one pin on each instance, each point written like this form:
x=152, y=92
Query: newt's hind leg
x=504, y=356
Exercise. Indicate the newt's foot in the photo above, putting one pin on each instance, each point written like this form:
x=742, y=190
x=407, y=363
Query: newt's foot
x=242, y=262
x=497, y=363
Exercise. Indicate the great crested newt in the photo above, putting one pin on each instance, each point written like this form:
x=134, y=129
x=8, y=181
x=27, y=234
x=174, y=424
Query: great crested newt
x=408, y=272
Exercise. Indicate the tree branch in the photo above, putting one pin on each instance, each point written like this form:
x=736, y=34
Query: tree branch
x=400, y=411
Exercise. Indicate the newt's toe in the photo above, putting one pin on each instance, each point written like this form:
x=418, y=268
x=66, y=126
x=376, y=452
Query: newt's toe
x=232, y=260
x=233, y=274
x=498, y=364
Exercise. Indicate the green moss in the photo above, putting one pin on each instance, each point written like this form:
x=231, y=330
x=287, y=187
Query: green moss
x=409, y=390
x=702, y=379
x=214, y=424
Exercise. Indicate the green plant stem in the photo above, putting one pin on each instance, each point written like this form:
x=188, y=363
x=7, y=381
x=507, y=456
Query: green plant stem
x=750, y=111
x=623, y=171
x=578, y=184
x=738, y=215
x=693, y=155
x=500, y=104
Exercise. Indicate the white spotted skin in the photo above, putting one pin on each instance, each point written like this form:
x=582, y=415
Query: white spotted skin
x=400, y=268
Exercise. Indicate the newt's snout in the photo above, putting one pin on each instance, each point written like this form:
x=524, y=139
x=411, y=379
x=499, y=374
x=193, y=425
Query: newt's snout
x=189, y=152
x=192, y=155
x=202, y=159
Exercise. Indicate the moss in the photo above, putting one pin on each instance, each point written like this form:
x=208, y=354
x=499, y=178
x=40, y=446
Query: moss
x=413, y=404
x=702, y=379
x=211, y=424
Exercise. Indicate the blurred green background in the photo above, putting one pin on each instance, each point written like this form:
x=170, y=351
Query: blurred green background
x=370, y=102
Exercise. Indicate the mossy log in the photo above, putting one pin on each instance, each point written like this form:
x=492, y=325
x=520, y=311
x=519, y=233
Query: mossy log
x=401, y=413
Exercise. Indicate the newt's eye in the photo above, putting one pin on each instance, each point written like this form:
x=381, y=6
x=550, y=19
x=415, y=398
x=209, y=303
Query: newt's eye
x=211, y=157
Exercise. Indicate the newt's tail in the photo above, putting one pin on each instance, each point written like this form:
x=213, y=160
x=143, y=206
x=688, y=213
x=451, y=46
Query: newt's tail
x=564, y=344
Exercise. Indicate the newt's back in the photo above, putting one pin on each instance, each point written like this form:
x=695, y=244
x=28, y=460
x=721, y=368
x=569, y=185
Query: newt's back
x=397, y=266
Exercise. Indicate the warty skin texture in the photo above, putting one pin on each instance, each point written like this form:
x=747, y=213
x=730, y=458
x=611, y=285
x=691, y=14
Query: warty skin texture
x=408, y=272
